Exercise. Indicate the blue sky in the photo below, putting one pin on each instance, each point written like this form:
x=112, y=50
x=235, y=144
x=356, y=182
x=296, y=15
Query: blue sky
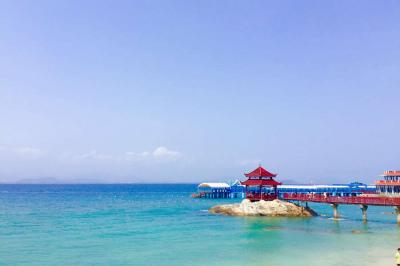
x=187, y=91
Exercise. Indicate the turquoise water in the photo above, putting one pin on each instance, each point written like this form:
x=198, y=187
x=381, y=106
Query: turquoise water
x=162, y=225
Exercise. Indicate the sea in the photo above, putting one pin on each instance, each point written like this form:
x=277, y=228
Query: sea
x=160, y=224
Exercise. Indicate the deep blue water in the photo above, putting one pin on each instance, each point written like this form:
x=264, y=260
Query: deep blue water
x=163, y=225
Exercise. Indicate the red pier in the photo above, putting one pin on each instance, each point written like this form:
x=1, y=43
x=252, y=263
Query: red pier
x=261, y=185
x=363, y=200
x=257, y=196
x=360, y=200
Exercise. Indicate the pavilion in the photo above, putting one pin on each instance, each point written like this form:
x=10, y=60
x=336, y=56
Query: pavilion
x=257, y=181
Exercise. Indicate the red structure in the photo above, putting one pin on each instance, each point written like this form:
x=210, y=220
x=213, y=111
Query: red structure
x=359, y=200
x=258, y=179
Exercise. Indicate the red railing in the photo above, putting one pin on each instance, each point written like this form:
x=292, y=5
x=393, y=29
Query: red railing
x=364, y=200
x=388, y=182
x=258, y=196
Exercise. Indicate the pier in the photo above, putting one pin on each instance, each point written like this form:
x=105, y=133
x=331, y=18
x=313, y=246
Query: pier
x=261, y=185
x=213, y=191
x=386, y=192
x=363, y=200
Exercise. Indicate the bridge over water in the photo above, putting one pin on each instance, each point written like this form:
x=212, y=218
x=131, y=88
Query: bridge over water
x=363, y=200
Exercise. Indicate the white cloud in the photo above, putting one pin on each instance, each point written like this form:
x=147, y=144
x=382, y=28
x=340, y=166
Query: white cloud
x=127, y=165
x=29, y=151
x=145, y=154
x=159, y=153
x=163, y=152
x=135, y=156
x=94, y=155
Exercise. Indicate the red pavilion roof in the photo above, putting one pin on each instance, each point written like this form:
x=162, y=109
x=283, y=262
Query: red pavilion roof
x=260, y=172
x=261, y=182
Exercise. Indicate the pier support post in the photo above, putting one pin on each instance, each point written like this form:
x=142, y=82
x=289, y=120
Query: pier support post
x=397, y=208
x=335, y=210
x=364, y=212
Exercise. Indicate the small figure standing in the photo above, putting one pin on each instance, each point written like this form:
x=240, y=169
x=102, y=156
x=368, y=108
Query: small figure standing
x=397, y=256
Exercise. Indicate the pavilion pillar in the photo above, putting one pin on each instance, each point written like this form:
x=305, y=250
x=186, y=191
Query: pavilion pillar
x=397, y=209
x=335, y=210
x=364, y=212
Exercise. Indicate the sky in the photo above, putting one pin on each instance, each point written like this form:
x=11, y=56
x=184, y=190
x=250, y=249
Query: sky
x=191, y=91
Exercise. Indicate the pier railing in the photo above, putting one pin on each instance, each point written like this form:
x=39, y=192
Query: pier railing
x=362, y=200
x=258, y=196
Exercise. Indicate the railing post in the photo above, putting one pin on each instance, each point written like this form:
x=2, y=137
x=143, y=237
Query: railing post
x=335, y=210
x=364, y=212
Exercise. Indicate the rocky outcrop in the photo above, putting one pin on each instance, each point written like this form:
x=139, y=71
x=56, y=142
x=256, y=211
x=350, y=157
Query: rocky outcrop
x=275, y=208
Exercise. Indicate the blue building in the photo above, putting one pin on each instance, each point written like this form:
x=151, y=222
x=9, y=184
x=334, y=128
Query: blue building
x=352, y=189
x=213, y=190
x=238, y=190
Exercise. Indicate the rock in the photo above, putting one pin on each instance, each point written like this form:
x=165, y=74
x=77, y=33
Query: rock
x=263, y=208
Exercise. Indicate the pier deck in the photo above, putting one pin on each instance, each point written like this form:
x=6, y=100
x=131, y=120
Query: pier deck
x=357, y=200
x=364, y=201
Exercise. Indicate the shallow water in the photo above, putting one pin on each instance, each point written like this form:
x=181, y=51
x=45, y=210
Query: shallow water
x=162, y=225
